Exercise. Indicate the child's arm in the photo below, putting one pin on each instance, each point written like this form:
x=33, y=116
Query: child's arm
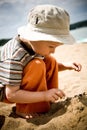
x=69, y=65
x=17, y=95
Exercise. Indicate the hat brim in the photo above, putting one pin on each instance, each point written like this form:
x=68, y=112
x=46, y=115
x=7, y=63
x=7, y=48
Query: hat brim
x=32, y=35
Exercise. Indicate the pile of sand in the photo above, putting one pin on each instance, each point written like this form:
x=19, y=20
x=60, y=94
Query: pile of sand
x=68, y=114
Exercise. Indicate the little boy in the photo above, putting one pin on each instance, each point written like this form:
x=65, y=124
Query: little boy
x=27, y=70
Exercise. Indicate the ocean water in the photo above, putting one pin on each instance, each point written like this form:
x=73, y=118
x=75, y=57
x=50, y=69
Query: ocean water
x=80, y=34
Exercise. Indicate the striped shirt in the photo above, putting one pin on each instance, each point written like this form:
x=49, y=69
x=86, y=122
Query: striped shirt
x=14, y=57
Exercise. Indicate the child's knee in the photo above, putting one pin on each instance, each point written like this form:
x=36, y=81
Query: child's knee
x=35, y=65
x=39, y=64
x=34, y=75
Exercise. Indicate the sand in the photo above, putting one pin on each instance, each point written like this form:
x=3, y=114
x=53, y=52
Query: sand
x=67, y=114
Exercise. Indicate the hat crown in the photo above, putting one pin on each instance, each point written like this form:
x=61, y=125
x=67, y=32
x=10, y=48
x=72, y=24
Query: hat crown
x=49, y=16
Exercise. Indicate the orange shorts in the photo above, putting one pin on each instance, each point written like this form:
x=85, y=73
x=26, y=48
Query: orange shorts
x=38, y=75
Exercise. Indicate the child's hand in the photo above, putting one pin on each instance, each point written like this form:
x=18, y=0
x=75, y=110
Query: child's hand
x=53, y=95
x=76, y=66
x=73, y=65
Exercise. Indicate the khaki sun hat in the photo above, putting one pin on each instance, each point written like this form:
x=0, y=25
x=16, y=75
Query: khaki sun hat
x=47, y=23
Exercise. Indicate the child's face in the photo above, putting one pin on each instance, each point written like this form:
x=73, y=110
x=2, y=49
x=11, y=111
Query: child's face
x=44, y=48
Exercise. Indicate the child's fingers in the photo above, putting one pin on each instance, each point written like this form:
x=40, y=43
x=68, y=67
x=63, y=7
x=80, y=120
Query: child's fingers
x=77, y=67
x=60, y=93
x=63, y=94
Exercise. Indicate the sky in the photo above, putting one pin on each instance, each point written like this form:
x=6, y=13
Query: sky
x=13, y=13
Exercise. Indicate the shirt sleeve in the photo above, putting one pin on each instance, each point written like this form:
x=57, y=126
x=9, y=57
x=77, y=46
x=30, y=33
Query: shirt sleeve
x=11, y=72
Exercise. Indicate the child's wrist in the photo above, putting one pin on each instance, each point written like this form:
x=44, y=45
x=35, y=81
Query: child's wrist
x=44, y=96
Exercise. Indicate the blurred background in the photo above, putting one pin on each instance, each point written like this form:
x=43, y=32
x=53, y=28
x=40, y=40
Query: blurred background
x=13, y=14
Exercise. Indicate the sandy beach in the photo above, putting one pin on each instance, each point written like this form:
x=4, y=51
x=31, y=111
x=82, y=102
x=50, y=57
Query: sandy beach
x=66, y=114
